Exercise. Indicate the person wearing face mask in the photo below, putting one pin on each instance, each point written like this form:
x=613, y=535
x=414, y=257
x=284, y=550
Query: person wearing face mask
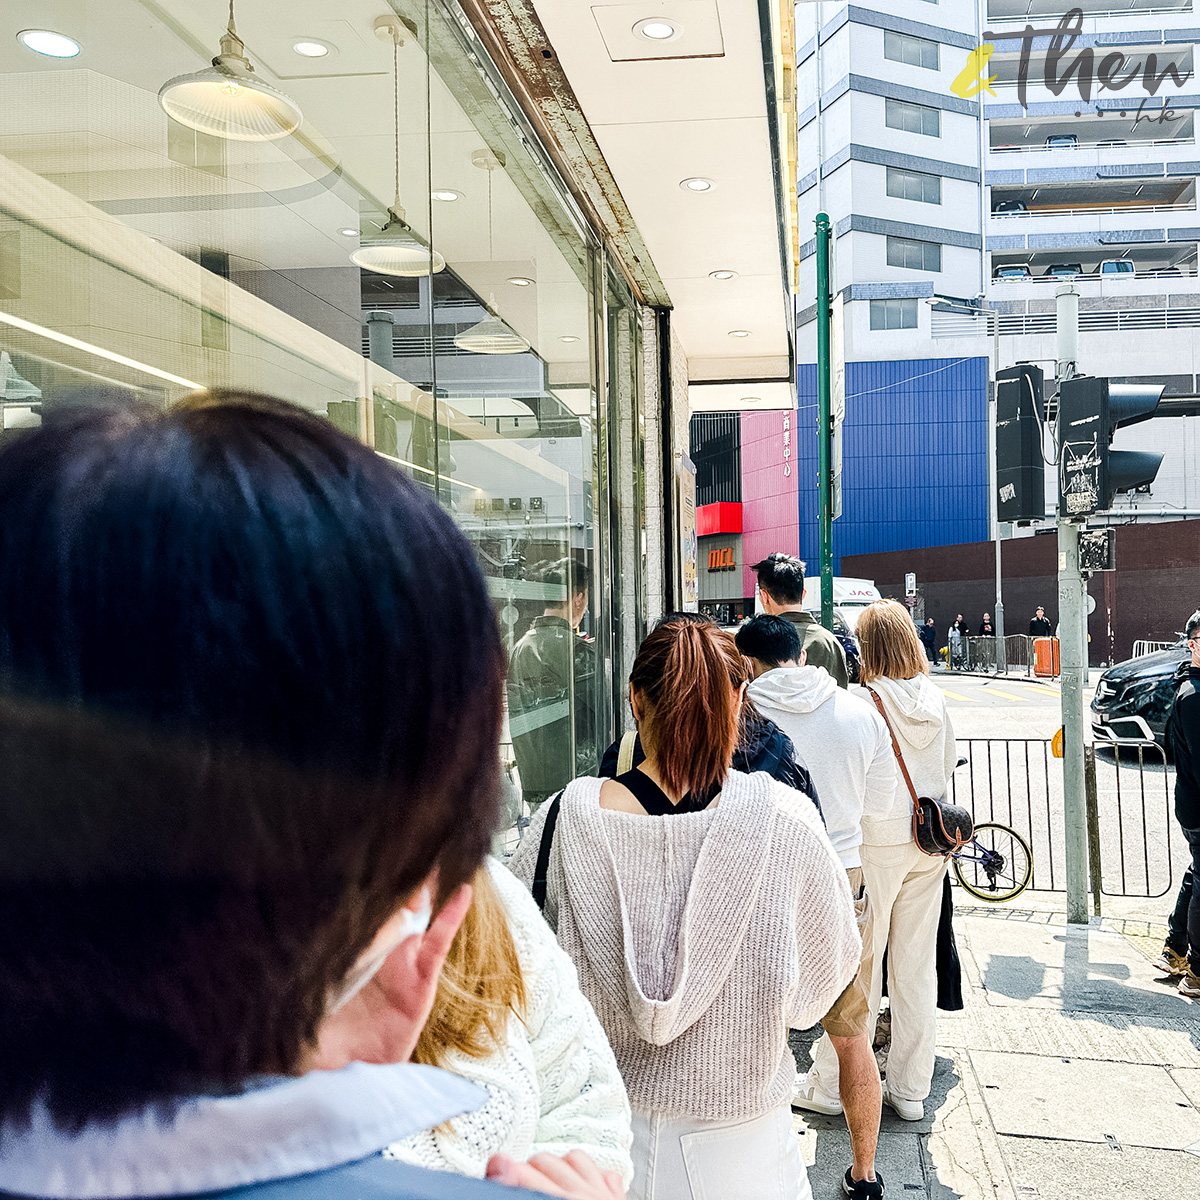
x=707, y=913
x=245, y=782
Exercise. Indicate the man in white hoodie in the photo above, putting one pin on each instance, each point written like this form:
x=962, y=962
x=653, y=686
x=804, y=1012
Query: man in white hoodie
x=845, y=744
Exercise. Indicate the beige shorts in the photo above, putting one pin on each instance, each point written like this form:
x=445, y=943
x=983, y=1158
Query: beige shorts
x=850, y=1015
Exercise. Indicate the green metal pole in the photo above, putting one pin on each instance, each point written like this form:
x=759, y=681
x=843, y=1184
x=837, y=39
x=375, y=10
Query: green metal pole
x=824, y=422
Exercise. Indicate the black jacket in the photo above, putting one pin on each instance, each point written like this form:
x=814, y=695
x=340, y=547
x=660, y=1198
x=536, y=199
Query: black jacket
x=928, y=634
x=764, y=747
x=1041, y=627
x=1183, y=735
x=987, y=629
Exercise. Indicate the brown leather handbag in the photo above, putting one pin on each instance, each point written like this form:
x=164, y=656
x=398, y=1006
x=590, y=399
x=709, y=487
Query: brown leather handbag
x=939, y=829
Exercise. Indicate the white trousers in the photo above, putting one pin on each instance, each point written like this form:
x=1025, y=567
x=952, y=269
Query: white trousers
x=678, y=1158
x=905, y=887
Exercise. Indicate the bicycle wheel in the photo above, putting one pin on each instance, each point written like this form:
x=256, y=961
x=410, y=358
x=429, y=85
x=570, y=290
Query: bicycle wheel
x=995, y=865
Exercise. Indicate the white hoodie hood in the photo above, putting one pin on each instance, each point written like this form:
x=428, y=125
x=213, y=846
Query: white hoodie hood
x=916, y=708
x=792, y=690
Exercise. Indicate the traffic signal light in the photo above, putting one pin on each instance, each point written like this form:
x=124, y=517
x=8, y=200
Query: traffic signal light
x=1020, y=466
x=1091, y=472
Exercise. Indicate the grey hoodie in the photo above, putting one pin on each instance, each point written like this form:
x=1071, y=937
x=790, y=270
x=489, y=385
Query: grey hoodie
x=917, y=711
x=843, y=742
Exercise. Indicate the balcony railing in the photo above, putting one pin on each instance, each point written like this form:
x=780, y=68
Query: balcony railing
x=1183, y=271
x=1115, y=210
x=1121, y=320
x=1109, y=10
x=1127, y=144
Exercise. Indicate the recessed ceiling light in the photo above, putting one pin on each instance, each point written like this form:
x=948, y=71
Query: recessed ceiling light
x=657, y=29
x=751, y=399
x=568, y=337
x=49, y=43
x=311, y=48
x=348, y=232
x=722, y=274
x=739, y=333
x=446, y=195
x=519, y=281
x=697, y=183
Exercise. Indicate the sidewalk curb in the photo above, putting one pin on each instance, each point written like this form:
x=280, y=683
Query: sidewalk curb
x=1047, y=683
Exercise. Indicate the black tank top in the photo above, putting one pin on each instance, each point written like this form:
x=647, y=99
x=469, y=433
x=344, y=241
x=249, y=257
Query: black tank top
x=653, y=799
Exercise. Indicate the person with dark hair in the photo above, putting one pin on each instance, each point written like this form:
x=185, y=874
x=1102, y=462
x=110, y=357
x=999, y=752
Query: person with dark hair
x=551, y=678
x=849, y=751
x=1181, y=953
x=699, y=938
x=1039, y=625
x=781, y=593
x=762, y=745
x=245, y=782
x=928, y=636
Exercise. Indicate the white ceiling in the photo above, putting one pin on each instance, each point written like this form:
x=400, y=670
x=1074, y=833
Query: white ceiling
x=661, y=120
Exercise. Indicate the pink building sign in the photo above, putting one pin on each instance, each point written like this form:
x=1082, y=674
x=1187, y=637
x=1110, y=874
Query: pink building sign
x=770, y=501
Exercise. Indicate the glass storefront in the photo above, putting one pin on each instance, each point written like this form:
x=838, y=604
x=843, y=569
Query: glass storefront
x=361, y=223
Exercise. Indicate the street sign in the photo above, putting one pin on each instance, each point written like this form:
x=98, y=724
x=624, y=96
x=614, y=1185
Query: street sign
x=910, y=584
x=1098, y=550
x=1020, y=469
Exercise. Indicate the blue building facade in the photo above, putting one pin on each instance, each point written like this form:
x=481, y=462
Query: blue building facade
x=914, y=456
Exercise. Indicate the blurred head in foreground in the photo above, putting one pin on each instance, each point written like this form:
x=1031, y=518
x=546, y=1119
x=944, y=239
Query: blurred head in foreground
x=235, y=739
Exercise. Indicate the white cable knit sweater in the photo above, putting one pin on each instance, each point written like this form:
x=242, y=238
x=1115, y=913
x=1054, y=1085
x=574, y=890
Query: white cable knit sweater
x=701, y=938
x=555, y=1086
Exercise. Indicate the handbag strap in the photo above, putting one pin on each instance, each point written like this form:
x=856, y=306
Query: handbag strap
x=625, y=754
x=912, y=791
x=542, y=869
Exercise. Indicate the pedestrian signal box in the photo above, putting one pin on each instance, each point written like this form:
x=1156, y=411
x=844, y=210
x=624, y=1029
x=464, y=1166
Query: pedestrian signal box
x=1020, y=466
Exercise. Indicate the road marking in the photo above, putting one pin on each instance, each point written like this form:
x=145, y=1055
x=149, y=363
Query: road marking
x=1039, y=688
x=991, y=691
x=957, y=696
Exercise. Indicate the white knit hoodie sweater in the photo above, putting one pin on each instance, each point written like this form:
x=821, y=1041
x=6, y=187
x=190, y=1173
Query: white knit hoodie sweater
x=701, y=938
x=917, y=711
x=555, y=1085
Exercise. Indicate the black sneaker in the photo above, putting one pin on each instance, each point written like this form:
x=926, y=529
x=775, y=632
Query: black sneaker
x=862, y=1189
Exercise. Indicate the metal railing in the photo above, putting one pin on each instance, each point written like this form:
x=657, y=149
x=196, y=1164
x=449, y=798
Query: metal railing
x=1126, y=10
x=1016, y=782
x=957, y=325
x=1127, y=144
x=1112, y=210
x=1145, y=647
x=979, y=654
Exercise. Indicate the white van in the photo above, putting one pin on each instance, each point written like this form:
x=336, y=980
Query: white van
x=850, y=597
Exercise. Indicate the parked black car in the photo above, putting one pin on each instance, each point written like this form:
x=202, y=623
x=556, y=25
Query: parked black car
x=1133, y=699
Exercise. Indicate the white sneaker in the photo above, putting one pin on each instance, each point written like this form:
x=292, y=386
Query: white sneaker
x=809, y=1097
x=906, y=1110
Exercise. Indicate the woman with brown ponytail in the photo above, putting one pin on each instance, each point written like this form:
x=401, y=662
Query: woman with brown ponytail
x=701, y=933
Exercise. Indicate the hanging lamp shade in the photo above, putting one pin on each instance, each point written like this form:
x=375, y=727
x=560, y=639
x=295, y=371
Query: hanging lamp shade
x=396, y=250
x=491, y=336
x=228, y=100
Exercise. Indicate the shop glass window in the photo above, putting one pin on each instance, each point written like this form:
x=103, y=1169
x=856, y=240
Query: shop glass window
x=913, y=118
x=914, y=185
x=893, y=314
x=914, y=255
x=397, y=255
x=915, y=51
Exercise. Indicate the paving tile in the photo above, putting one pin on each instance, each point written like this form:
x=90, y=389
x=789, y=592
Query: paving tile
x=1052, y=1170
x=1085, y=1101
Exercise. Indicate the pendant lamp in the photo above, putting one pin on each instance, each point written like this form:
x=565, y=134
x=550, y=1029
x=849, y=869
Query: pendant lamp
x=228, y=100
x=491, y=335
x=396, y=249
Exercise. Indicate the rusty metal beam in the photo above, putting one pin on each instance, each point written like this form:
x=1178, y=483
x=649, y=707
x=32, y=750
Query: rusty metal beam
x=514, y=37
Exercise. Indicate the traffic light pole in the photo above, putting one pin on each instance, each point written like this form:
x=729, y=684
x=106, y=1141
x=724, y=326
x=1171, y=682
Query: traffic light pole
x=824, y=422
x=1072, y=617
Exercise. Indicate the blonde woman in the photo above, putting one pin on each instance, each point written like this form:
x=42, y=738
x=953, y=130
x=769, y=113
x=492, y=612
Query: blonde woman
x=510, y=1017
x=904, y=884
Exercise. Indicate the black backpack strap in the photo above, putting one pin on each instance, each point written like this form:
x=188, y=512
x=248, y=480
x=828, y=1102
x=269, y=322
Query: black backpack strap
x=542, y=869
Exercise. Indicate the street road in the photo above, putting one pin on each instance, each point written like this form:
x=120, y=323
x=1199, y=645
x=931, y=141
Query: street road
x=1000, y=708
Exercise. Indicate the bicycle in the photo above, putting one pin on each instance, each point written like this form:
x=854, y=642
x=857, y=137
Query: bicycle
x=995, y=865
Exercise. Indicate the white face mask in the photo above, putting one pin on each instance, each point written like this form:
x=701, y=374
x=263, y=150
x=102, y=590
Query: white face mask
x=412, y=923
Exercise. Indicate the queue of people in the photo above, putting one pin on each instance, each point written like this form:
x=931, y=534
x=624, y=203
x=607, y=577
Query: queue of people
x=250, y=938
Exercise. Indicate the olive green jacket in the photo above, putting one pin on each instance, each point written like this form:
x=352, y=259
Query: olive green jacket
x=822, y=648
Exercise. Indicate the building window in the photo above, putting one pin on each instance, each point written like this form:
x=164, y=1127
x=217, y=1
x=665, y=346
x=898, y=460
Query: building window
x=913, y=118
x=915, y=51
x=893, y=314
x=914, y=255
x=914, y=185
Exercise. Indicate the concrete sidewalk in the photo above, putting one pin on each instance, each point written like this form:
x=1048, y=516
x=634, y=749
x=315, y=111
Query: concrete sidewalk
x=1071, y=1073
